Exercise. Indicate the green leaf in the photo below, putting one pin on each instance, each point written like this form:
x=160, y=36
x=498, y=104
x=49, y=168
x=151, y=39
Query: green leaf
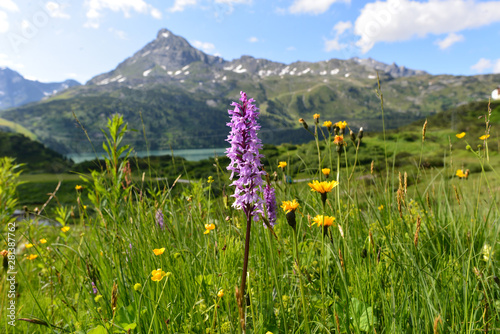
x=98, y=330
x=362, y=315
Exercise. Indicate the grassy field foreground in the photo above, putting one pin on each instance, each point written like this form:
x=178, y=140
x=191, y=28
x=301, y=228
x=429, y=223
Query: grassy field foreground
x=396, y=249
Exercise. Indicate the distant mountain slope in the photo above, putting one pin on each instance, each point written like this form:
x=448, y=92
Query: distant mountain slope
x=180, y=95
x=15, y=90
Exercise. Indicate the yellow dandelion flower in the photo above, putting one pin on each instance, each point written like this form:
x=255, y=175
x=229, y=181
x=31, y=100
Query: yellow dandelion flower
x=210, y=179
x=288, y=206
x=460, y=135
x=321, y=220
x=316, y=116
x=157, y=275
x=282, y=164
x=268, y=332
x=65, y=229
x=32, y=257
x=28, y=245
x=78, y=187
x=484, y=137
x=323, y=187
x=338, y=140
x=220, y=294
x=327, y=124
x=381, y=207
x=341, y=125
x=137, y=286
x=208, y=228
x=460, y=173
x=159, y=251
x=326, y=171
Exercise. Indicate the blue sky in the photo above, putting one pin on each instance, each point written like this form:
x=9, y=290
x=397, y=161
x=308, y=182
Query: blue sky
x=60, y=39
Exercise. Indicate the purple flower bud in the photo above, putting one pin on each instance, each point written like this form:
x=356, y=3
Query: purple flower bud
x=94, y=288
x=270, y=199
x=159, y=218
x=245, y=165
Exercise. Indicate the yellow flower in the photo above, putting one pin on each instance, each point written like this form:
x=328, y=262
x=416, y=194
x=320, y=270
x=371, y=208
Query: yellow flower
x=97, y=298
x=460, y=135
x=158, y=251
x=288, y=206
x=338, y=140
x=323, y=187
x=28, y=245
x=220, y=294
x=157, y=275
x=32, y=257
x=316, y=116
x=208, y=228
x=282, y=164
x=484, y=137
x=326, y=171
x=210, y=179
x=84, y=207
x=341, y=125
x=137, y=286
x=327, y=124
x=78, y=187
x=460, y=173
x=4, y=253
x=381, y=207
x=268, y=332
x=321, y=220
x=65, y=229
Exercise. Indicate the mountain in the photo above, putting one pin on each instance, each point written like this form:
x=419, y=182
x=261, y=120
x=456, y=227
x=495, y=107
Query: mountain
x=180, y=96
x=15, y=90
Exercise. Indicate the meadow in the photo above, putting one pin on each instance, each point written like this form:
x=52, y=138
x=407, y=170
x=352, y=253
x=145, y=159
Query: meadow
x=395, y=232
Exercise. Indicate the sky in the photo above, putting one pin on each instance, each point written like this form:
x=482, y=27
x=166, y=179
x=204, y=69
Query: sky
x=79, y=39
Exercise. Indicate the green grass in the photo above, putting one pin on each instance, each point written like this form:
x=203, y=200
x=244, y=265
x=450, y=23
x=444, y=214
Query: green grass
x=369, y=273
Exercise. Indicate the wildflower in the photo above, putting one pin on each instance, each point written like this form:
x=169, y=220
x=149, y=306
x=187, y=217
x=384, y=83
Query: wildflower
x=78, y=187
x=460, y=135
x=316, y=118
x=94, y=288
x=487, y=252
x=460, y=173
x=270, y=199
x=210, y=179
x=381, y=207
x=326, y=172
x=65, y=229
x=208, y=228
x=282, y=164
x=341, y=125
x=484, y=137
x=157, y=275
x=4, y=253
x=289, y=206
x=323, y=187
x=321, y=220
x=304, y=124
x=97, y=298
x=28, y=245
x=32, y=257
x=338, y=140
x=328, y=125
x=159, y=219
x=245, y=157
x=268, y=332
x=84, y=207
x=424, y=129
x=220, y=294
x=159, y=251
x=137, y=286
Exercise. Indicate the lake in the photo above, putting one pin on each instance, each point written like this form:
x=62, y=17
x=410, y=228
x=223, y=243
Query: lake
x=195, y=154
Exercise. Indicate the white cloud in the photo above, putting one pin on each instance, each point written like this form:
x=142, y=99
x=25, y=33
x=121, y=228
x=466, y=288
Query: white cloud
x=95, y=8
x=9, y=5
x=400, y=20
x=180, y=5
x=496, y=67
x=205, y=46
x=449, y=40
x=334, y=44
x=55, y=10
x=342, y=26
x=486, y=66
x=4, y=22
x=253, y=39
x=5, y=61
x=312, y=6
x=291, y=48
x=118, y=33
